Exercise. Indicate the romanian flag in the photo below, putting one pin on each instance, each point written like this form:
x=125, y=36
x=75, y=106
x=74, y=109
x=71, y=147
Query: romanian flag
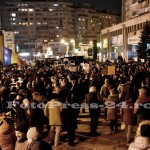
x=11, y=57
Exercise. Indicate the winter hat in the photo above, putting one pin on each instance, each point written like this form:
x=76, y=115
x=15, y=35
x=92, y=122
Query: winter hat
x=32, y=134
x=22, y=127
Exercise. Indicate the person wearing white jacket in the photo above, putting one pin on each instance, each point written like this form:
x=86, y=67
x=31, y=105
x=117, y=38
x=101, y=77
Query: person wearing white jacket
x=142, y=140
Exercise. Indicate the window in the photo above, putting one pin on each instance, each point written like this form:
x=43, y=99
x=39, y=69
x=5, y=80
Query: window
x=13, y=14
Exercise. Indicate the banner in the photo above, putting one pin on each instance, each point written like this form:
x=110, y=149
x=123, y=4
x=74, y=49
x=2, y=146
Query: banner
x=111, y=70
x=11, y=57
x=7, y=54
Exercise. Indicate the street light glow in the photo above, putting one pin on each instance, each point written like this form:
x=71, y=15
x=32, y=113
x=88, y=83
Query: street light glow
x=62, y=41
x=72, y=40
x=24, y=54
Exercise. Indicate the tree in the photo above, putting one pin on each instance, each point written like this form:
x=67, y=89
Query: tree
x=144, y=44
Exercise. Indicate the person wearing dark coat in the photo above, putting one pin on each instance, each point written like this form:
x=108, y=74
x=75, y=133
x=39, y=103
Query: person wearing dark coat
x=69, y=119
x=21, y=112
x=91, y=98
x=36, y=114
x=4, y=92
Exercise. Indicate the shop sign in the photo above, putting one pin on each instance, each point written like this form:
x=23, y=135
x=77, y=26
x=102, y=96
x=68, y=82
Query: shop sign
x=133, y=40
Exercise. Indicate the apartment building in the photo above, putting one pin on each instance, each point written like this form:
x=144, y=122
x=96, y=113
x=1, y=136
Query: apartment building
x=122, y=39
x=35, y=22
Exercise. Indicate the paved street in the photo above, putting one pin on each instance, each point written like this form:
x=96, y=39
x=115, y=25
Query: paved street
x=105, y=141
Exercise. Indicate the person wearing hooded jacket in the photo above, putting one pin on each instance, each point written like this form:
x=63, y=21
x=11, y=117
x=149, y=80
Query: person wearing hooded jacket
x=21, y=131
x=142, y=139
x=35, y=142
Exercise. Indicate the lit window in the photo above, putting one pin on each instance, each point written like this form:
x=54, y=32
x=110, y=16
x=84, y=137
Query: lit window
x=14, y=19
x=38, y=23
x=55, y=4
x=91, y=20
x=50, y=9
x=30, y=9
x=22, y=9
x=83, y=19
x=79, y=19
x=57, y=27
x=13, y=14
x=57, y=35
x=19, y=22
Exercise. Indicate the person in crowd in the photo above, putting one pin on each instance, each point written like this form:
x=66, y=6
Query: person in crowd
x=35, y=142
x=112, y=109
x=36, y=113
x=104, y=92
x=11, y=98
x=4, y=93
x=122, y=89
x=127, y=116
x=69, y=120
x=148, y=85
x=142, y=139
x=21, y=105
x=21, y=131
x=64, y=89
x=92, y=98
x=7, y=133
x=53, y=110
x=140, y=107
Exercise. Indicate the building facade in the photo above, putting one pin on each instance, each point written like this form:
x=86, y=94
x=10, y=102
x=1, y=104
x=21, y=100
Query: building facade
x=35, y=23
x=122, y=39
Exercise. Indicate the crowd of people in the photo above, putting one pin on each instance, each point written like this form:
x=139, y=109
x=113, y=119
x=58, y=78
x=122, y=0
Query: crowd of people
x=45, y=99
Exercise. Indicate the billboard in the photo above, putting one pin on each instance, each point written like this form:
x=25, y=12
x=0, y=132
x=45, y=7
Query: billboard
x=117, y=40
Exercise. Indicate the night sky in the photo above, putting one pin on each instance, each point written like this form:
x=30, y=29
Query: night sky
x=111, y=5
